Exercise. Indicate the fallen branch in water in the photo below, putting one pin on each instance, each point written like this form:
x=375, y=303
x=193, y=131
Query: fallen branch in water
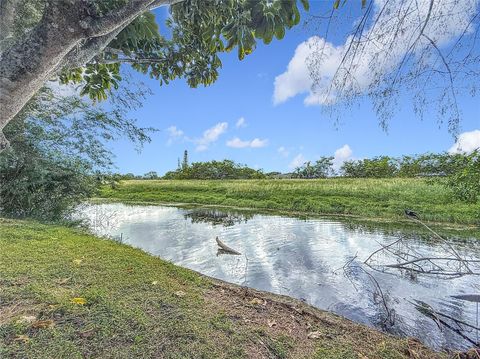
x=408, y=259
x=349, y=269
x=226, y=249
x=465, y=263
x=428, y=311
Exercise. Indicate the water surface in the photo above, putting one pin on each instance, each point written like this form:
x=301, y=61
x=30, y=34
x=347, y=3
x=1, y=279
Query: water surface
x=319, y=261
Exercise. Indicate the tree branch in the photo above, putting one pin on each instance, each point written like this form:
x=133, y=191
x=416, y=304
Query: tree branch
x=450, y=76
x=131, y=61
x=30, y=61
x=124, y=15
x=84, y=53
x=67, y=36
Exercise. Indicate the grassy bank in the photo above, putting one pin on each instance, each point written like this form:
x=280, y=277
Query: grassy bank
x=368, y=198
x=66, y=294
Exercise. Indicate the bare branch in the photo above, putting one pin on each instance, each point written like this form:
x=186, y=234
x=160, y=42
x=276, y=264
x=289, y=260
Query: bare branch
x=387, y=53
x=452, y=86
x=428, y=311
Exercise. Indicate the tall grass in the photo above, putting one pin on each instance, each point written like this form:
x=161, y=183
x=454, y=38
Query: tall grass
x=373, y=198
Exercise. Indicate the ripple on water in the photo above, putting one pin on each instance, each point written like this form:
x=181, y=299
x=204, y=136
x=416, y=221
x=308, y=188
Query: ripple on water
x=301, y=258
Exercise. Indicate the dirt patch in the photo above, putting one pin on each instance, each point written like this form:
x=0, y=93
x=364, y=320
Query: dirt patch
x=22, y=311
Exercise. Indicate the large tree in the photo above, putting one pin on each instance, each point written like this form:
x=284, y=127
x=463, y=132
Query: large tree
x=85, y=41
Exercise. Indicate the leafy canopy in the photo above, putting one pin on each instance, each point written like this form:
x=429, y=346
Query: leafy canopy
x=199, y=29
x=322, y=168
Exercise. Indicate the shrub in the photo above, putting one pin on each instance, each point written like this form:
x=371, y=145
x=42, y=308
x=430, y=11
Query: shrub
x=465, y=183
x=57, y=148
x=35, y=185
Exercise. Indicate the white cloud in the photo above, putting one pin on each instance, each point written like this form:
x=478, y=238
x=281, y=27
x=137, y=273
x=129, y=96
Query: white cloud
x=341, y=155
x=297, y=80
x=283, y=151
x=211, y=135
x=241, y=123
x=238, y=143
x=373, y=58
x=467, y=142
x=173, y=131
x=297, y=161
x=173, y=134
x=255, y=143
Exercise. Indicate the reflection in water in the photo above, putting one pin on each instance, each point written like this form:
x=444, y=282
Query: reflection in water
x=215, y=217
x=316, y=260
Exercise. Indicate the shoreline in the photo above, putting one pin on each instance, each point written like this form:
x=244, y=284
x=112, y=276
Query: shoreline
x=380, y=200
x=462, y=230
x=135, y=287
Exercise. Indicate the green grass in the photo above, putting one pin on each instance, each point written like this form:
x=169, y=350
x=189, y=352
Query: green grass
x=366, y=198
x=139, y=306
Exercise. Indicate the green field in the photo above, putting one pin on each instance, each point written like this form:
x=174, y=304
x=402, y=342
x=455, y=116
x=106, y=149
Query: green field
x=365, y=198
x=67, y=294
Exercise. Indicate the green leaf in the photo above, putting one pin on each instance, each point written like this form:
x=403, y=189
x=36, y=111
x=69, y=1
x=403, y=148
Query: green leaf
x=280, y=32
x=305, y=4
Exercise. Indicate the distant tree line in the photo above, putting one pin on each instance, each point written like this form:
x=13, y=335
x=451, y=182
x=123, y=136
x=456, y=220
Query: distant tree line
x=459, y=172
x=216, y=170
x=462, y=171
x=424, y=165
x=321, y=168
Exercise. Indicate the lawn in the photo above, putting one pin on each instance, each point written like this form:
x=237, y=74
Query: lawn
x=67, y=294
x=366, y=198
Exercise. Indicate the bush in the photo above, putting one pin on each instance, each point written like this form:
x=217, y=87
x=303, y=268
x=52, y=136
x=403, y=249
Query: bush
x=465, y=183
x=57, y=148
x=38, y=186
x=322, y=168
x=377, y=167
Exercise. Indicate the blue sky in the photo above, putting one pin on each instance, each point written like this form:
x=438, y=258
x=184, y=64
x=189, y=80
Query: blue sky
x=274, y=136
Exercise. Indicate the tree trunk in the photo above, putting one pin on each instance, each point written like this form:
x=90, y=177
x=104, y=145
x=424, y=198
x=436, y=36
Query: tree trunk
x=7, y=17
x=66, y=37
x=26, y=66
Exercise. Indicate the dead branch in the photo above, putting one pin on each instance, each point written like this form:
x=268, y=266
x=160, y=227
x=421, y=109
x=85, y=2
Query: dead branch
x=428, y=311
x=226, y=248
x=408, y=258
x=390, y=313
